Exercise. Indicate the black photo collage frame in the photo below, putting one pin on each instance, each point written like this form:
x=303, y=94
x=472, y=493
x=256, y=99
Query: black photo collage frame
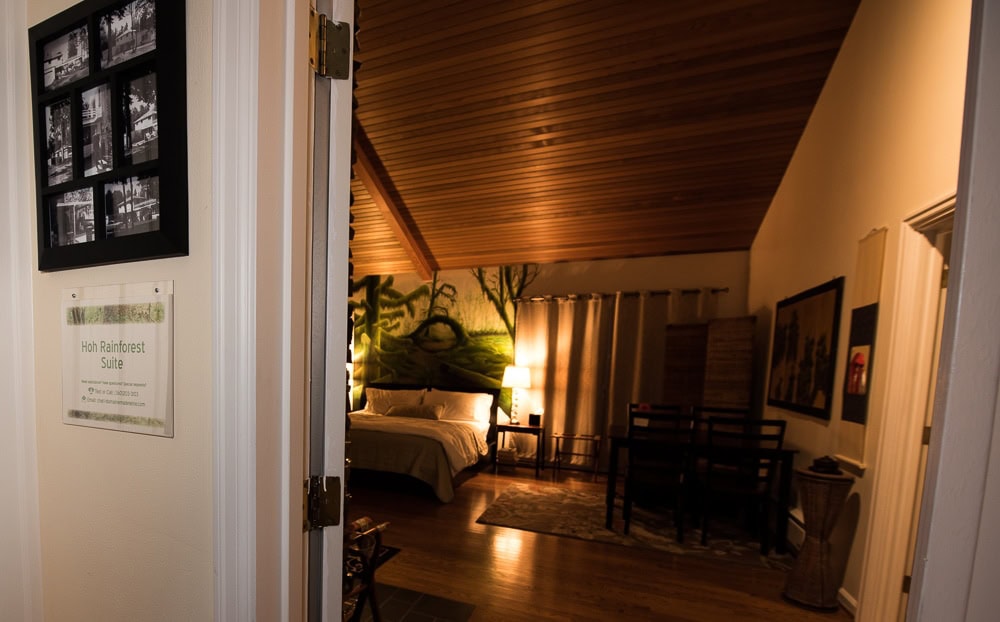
x=110, y=133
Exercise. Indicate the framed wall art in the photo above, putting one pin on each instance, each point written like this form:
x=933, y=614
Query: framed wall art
x=804, y=350
x=109, y=109
x=857, y=377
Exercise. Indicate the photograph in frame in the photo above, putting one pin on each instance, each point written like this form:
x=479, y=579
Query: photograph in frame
x=132, y=206
x=127, y=32
x=804, y=350
x=58, y=142
x=106, y=77
x=96, y=130
x=858, y=375
x=71, y=217
x=66, y=59
x=141, y=128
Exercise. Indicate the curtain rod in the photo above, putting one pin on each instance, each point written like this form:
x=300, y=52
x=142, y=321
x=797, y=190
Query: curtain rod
x=665, y=292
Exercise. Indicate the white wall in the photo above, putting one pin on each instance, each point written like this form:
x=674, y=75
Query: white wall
x=881, y=144
x=651, y=273
x=126, y=519
x=20, y=548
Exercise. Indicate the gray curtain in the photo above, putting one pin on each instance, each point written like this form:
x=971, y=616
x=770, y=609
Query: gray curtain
x=591, y=355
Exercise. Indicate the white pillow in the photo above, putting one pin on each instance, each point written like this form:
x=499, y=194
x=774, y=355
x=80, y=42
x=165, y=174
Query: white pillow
x=482, y=410
x=459, y=406
x=415, y=411
x=379, y=401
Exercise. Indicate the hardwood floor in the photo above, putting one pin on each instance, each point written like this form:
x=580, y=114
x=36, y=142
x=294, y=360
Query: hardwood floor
x=513, y=575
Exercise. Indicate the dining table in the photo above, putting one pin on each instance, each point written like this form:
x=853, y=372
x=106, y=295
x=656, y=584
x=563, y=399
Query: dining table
x=700, y=449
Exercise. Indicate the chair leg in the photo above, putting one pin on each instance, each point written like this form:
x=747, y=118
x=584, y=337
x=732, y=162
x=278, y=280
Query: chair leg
x=367, y=597
x=373, y=603
x=360, y=606
x=704, y=517
x=764, y=527
x=627, y=506
x=679, y=516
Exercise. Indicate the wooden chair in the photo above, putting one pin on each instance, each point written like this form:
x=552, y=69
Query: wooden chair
x=736, y=469
x=659, y=443
x=362, y=541
x=704, y=413
x=707, y=412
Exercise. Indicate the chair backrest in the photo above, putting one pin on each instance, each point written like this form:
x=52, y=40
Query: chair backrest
x=657, y=435
x=744, y=432
x=706, y=412
x=659, y=421
x=742, y=436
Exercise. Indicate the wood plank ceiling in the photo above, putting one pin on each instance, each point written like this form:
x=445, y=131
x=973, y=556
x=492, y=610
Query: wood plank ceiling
x=536, y=131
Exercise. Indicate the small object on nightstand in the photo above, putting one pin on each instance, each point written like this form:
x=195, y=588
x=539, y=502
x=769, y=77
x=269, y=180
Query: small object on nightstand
x=535, y=419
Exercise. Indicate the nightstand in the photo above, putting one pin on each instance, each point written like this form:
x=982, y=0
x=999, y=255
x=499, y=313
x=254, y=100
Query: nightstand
x=537, y=430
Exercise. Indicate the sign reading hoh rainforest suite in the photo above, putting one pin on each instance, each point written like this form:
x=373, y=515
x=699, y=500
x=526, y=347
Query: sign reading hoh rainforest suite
x=117, y=346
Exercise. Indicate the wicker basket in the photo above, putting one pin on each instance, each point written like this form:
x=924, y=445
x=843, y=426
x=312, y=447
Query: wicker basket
x=507, y=456
x=812, y=581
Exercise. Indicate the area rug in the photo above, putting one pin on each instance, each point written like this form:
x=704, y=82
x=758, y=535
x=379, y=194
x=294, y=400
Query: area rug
x=397, y=604
x=580, y=514
x=385, y=553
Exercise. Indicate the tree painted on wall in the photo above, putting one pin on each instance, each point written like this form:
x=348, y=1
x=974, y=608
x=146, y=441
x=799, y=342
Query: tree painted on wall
x=502, y=287
x=377, y=314
x=442, y=297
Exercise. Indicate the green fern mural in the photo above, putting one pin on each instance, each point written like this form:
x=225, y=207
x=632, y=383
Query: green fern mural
x=456, y=330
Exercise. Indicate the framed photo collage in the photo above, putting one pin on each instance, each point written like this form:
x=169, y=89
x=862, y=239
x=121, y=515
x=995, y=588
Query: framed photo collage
x=109, y=108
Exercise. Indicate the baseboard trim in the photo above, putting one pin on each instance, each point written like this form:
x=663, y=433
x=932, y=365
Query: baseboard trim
x=847, y=601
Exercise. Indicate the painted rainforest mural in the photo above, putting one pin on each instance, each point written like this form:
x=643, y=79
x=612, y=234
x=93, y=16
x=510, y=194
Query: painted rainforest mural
x=456, y=330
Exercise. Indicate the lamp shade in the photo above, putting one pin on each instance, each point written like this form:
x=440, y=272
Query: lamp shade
x=515, y=377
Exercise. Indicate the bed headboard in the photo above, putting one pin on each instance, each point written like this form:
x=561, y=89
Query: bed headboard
x=491, y=435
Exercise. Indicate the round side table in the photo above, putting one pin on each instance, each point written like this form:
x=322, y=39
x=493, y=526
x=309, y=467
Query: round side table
x=812, y=581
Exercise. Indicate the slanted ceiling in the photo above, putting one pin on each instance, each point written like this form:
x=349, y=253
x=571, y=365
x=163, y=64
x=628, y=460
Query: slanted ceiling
x=533, y=131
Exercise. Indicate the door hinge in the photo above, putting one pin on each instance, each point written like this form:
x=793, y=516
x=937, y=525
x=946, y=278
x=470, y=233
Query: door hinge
x=926, y=438
x=329, y=46
x=321, y=500
x=906, y=583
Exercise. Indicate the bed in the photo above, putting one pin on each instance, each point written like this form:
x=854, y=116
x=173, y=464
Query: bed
x=431, y=434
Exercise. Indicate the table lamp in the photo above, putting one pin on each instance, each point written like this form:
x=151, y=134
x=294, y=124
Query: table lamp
x=515, y=378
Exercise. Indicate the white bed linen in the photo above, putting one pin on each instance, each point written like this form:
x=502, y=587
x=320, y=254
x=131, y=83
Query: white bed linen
x=464, y=442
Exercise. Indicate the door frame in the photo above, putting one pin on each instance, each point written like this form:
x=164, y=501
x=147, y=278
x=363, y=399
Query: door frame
x=260, y=306
x=260, y=61
x=235, y=66
x=329, y=336
x=20, y=555
x=909, y=357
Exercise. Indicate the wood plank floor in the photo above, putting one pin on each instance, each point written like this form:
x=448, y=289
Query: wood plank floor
x=513, y=575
